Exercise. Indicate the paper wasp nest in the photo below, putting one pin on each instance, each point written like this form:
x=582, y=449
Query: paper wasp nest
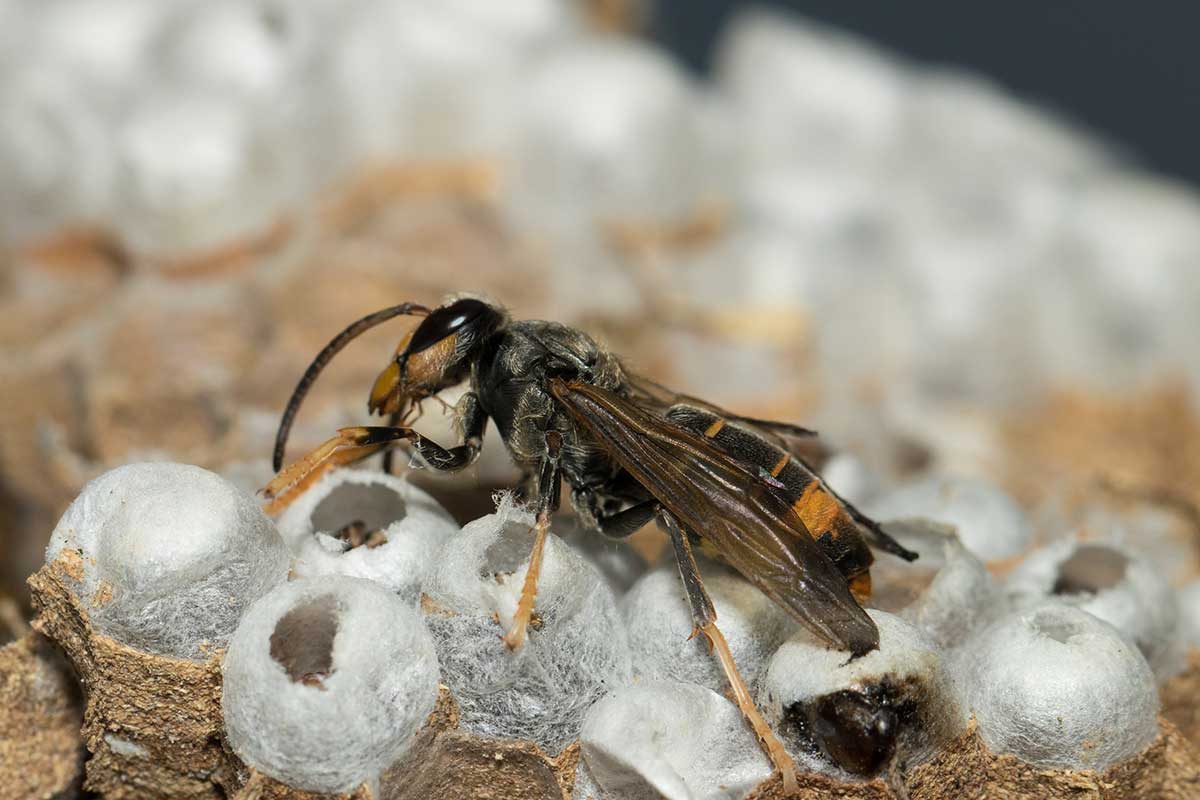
x=328, y=681
x=195, y=196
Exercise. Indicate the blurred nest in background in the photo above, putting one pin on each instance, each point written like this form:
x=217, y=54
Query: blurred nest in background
x=195, y=197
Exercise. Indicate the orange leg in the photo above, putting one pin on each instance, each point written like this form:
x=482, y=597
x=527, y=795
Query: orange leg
x=705, y=618
x=516, y=633
x=741, y=695
x=350, y=445
x=548, y=487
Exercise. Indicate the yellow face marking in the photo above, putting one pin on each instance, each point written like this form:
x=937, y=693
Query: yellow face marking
x=818, y=509
x=384, y=386
x=715, y=428
x=779, y=465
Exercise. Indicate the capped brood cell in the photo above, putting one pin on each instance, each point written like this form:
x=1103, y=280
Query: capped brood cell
x=947, y=592
x=989, y=523
x=672, y=740
x=1057, y=687
x=659, y=623
x=1113, y=582
x=165, y=557
x=576, y=649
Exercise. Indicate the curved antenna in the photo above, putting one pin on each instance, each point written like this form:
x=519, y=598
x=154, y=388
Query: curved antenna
x=324, y=357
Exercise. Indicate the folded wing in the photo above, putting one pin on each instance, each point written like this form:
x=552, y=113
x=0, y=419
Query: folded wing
x=728, y=506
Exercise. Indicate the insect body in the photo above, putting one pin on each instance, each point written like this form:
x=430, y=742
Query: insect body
x=631, y=451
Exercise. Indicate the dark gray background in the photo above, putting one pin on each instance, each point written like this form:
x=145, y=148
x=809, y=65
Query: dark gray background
x=1131, y=71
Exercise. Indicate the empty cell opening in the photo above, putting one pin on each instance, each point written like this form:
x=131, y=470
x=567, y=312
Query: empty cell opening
x=1090, y=569
x=374, y=504
x=1054, y=625
x=302, y=642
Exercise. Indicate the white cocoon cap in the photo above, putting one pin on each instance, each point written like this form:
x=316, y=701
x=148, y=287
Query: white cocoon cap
x=196, y=169
x=607, y=127
x=960, y=594
x=850, y=478
x=576, y=649
x=1115, y=584
x=230, y=46
x=56, y=165
x=671, y=740
x=172, y=555
x=659, y=624
x=1057, y=687
x=800, y=89
x=621, y=565
x=325, y=682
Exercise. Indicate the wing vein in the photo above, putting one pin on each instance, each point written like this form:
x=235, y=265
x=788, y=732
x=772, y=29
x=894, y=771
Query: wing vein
x=722, y=501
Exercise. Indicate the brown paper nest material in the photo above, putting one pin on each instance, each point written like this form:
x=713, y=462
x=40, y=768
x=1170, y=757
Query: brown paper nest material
x=966, y=770
x=1180, y=698
x=41, y=752
x=152, y=724
x=1139, y=448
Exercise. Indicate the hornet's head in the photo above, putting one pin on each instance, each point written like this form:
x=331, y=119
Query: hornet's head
x=435, y=355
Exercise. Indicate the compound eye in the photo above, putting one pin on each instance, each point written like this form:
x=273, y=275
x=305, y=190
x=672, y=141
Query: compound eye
x=443, y=322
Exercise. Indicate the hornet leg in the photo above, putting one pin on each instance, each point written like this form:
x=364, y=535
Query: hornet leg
x=549, y=483
x=350, y=445
x=705, y=618
x=628, y=521
x=354, y=444
x=395, y=419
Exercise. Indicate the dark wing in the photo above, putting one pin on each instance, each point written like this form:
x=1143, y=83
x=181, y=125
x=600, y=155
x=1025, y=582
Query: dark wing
x=716, y=497
x=808, y=451
x=800, y=442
